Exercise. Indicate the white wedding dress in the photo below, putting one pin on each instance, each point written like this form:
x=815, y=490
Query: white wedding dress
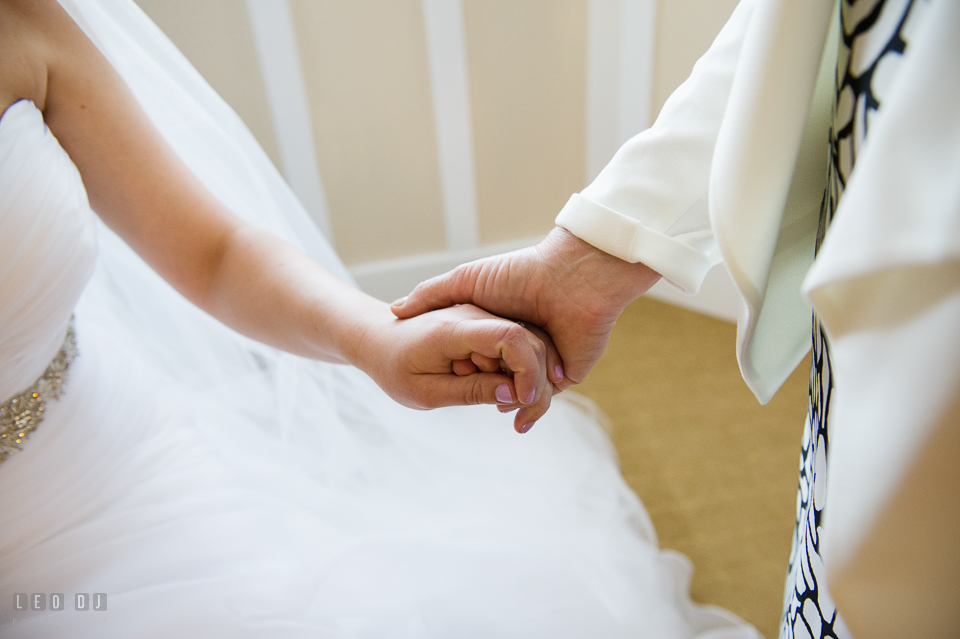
x=214, y=487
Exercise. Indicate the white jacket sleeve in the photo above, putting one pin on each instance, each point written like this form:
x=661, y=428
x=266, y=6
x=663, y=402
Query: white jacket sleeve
x=649, y=204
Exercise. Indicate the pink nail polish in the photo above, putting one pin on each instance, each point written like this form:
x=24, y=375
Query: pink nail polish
x=558, y=372
x=526, y=427
x=530, y=397
x=503, y=394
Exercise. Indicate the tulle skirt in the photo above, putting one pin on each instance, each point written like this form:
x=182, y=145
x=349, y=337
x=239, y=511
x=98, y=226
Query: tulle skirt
x=214, y=487
x=204, y=485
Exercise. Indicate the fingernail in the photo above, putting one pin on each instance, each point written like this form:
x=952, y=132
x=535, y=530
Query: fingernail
x=558, y=372
x=530, y=397
x=503, y=394
x=399, y=302
x=526, y=427
x=507, y=409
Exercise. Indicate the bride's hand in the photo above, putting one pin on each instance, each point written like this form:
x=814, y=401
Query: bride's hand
x=527, y=416
x=459, y=355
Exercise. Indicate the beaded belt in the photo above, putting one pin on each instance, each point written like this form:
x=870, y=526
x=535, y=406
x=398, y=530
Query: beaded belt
x=23, y=413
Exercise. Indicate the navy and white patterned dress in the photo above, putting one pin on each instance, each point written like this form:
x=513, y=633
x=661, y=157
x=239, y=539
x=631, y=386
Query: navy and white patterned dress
x=875, y=34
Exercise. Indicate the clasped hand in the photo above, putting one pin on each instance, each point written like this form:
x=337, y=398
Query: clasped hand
x=463, y=355
x=568, y=293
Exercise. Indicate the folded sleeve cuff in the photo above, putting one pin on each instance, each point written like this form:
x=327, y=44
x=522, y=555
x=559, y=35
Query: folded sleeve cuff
x=624, y=237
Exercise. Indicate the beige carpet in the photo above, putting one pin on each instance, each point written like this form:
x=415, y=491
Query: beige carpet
x=716, y=471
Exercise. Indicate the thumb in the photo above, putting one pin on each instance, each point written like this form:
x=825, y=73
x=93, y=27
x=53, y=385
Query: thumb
x=454, y=287
x=447, y=389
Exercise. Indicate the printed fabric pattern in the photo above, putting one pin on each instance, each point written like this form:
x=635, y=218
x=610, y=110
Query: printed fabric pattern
x=873, y=41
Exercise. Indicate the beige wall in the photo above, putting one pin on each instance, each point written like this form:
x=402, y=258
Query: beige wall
x=685, y=30
x=367, y=78
x=367, y=81
x=215, y=35
x=527, y=64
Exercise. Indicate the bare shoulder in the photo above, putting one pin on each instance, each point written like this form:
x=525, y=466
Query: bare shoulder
x=28, y=31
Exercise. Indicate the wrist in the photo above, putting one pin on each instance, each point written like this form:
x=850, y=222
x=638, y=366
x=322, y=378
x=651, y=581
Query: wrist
x=615, y=281
x=359, y=332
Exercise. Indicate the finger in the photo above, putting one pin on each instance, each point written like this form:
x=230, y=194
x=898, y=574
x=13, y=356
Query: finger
x=485, y=364
x=454, y=287
x=445, y=389
x=527, y=416
x=553, y=359
x=464, y=367
x=522, y=353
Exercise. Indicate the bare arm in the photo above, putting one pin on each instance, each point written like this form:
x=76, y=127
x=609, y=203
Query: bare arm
x=139, y=187
x=247, y=278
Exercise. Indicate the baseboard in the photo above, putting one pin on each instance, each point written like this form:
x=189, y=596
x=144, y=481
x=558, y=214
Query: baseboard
x=389, y=279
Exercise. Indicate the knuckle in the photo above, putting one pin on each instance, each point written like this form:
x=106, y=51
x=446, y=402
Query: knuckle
x=421, y=289
x=473, y=391
x=512, y=334
x=461, y=278
x=539, y=348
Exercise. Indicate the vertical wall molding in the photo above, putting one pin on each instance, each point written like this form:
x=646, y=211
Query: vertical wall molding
x=276, y=44
x=449, y=88
x=620, y=56
x=638, y=33
x=603, y=67
x=621, y=44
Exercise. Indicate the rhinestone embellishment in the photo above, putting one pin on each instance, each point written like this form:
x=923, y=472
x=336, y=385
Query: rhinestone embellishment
x=23, y=413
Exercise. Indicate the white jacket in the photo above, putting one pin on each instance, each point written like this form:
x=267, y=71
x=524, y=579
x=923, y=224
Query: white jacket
x=711, y=179
x=734, y=169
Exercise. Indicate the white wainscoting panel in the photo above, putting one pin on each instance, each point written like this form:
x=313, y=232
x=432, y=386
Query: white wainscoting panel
x=276, y=43
x=450, y=92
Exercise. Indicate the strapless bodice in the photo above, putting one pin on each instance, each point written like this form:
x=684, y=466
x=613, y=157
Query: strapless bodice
x=47, y=245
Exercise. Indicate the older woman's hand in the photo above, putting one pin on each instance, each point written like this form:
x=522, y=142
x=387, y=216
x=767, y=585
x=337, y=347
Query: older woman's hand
x=572, y=290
